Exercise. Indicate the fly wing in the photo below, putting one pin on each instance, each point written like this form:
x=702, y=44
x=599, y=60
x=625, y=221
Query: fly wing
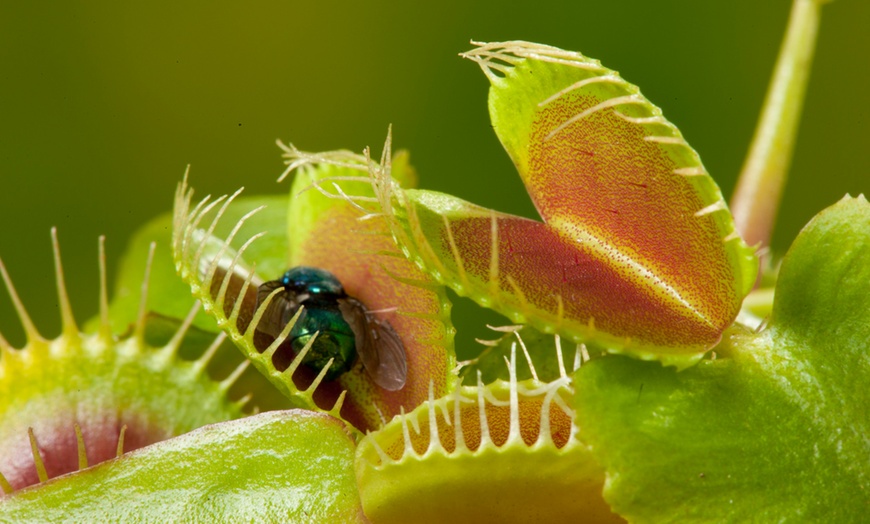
x=280, y=309
x=378, y=345
x=393, y=368
x=356, y=316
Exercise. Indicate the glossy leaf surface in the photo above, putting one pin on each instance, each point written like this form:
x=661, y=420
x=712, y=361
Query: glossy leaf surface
x=328, y=233
x=49, y=387
x=281, y=466
x=637, y=250
x=81, y=399
x=774, y=431
x=506, y=452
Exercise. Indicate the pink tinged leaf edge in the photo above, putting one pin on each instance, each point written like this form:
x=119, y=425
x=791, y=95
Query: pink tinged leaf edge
x=337, y=235
x=607, y=170
x=543, y=278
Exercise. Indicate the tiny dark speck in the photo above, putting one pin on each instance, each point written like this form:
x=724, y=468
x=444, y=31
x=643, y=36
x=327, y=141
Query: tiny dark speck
x=240, y=124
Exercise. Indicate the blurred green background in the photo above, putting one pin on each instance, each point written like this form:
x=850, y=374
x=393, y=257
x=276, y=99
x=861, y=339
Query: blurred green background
x=102, y=105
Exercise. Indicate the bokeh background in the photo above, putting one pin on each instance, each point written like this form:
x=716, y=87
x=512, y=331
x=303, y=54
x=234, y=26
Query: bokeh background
x=102, y=105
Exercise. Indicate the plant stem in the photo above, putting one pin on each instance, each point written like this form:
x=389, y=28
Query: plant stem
x=759, y=188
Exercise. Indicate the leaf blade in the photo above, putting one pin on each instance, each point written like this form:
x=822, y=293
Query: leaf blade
x=774, y=431
x=606, y=169
x=289, y=466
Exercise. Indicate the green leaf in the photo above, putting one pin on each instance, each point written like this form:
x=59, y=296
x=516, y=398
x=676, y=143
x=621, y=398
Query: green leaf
x=774, y=431
x=78, y=398
x=169, y=296
x=821, y=295
x=328, y=229
x=289, y=466
x=506, y=452
x=637, y=249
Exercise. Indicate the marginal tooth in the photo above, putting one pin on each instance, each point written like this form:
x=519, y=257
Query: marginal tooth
x=385, y=459
x=336, y=408
x=258, y=314
x=141, y=317
x=406, y=433
x=672, y=140
x=37, y=457
x=120, y=449
x=228, y=382
x=80, y=445
x=481, y=404
x=514, y=434
x=718, y=205
x=172, y=347
x=68, y=321
x=191, y=221
x=105, y=330
x=5, y=485
x=319, y=378
x=528, y=357
x=434, y=439
x=197, y=257
x=211, y=268
x=458, y=436
x=244, y=401
x=30, y=330
x=200, y=364
x=691, y=171
x=233, y=319
x=559, y=357
x=294, y=365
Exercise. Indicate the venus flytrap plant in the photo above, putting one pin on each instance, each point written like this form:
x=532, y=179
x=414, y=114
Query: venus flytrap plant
x=777, y=429
x=82, y=398
x=517, y=435
x=362, y=261
x=637, y=388
x=511, y=427
x=626, y=206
